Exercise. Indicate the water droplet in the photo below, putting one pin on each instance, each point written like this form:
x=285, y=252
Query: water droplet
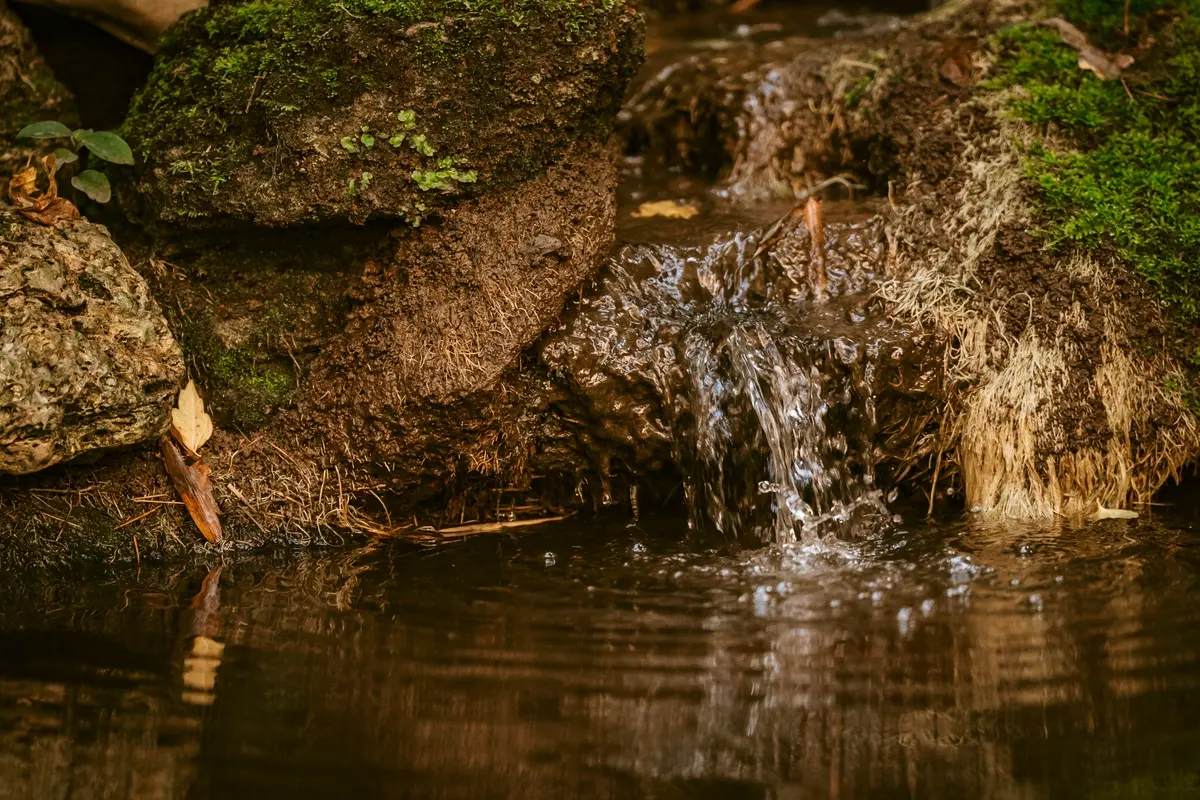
x=638, y=547
x=928, y=606
x=892, y=495
x=550, y=559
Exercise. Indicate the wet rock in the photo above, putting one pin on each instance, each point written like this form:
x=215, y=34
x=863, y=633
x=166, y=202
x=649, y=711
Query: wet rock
x=29, y=92
x=279, y=113
x=354, y=337
x=86, y=360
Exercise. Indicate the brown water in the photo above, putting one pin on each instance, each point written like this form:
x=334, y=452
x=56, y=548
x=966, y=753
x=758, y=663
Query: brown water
x=951, y=660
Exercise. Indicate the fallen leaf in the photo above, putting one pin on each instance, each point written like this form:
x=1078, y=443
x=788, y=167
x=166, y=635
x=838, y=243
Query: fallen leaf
x=45, y=207
x=670, y=209
x=190, y=424
x=1104, y=66
x=194, y=488
x=1113, y=513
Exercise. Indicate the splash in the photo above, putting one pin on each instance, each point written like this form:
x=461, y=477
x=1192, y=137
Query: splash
x=716, y=354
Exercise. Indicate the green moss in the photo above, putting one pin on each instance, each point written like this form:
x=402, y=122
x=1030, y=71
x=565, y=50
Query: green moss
x=228, y=75
x=1132, y=185
x=245, y=386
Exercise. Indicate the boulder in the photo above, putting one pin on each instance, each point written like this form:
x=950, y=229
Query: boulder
x=280, y=113
x=86, y=360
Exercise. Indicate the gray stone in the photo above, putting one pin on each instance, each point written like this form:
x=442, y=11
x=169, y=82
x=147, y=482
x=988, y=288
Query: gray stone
x=86, y=360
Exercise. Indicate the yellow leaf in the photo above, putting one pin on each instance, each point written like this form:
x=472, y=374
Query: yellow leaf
x=1113, y=513
x=665, y=208
x=190, y=425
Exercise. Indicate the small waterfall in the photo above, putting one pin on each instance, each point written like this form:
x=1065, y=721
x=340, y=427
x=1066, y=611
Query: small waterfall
x=766, y=399
x=779, y=433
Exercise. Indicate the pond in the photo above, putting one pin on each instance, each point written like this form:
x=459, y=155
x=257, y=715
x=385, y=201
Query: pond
x=605, y=660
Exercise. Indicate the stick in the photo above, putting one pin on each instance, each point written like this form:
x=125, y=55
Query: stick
x=195, y=489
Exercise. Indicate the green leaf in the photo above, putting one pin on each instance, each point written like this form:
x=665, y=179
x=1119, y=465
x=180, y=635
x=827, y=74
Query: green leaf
x=419, y=144
x=108, y=146
x=44, y=130
x=93, y=184
x=368, y=140
x=79, y=135
x=366, y=180
x=408, y=118
x=349, y=144
x=63, y=156
x=396, y=140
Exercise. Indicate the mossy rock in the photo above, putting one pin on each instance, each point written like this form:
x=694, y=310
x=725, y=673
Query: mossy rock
x=278, y=113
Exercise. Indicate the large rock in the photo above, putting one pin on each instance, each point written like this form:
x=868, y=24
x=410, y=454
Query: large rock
x=278, y=112
x=86, y=360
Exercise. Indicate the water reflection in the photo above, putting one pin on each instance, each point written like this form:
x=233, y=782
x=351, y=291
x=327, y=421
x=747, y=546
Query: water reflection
x=957, y=661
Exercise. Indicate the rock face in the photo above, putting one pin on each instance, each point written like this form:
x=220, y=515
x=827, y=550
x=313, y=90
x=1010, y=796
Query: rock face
x=281, y=113
x=86, y=360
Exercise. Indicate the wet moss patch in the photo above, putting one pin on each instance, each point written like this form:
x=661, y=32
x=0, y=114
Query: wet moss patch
x=1131, y=185
x=266, y=110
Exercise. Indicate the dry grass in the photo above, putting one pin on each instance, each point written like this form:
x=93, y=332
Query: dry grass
x=1007, y=388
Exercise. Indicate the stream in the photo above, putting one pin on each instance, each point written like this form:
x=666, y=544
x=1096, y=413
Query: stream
x=781, y=628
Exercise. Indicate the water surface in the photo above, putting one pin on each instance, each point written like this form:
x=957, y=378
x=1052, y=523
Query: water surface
x=947, y=660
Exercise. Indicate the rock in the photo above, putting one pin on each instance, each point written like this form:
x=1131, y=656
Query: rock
x=281, y=113
x=138, y=22
x=29, y=92
x=86, y=360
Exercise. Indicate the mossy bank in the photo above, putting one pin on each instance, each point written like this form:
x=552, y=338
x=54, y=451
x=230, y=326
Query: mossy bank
x=278, y=113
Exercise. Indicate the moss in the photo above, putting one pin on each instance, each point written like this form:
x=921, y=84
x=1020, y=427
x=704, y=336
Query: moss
x=244, y=384
x=1132, y=186
x=230, y=77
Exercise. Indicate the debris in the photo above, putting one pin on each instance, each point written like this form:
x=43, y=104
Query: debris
x=815, y=222
x=195, y=488
x=671, y=209
x=1113, y=513
x=190, y=424
x=46, y=208
x=1103, y=65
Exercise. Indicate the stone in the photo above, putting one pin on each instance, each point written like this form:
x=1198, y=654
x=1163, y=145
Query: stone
x=86, y=360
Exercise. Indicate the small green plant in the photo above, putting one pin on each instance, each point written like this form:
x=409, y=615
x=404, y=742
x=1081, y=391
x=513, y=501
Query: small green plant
x=444, y=177
x=421, y=145
x=102, y=144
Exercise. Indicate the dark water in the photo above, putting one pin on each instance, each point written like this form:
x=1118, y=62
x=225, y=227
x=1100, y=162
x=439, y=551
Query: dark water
x=953, y=660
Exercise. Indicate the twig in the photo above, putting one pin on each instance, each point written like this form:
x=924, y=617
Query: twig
x=253, y=89
x=135, y=519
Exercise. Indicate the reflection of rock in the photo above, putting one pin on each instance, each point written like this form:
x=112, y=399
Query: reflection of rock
x=86, y=360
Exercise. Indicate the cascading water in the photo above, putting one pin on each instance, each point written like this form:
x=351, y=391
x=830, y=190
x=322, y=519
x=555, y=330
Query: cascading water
x=763, y=399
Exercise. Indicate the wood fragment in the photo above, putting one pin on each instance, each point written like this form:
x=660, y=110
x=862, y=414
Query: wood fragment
x=495, y=527
x=195, y=489
x=815, y=222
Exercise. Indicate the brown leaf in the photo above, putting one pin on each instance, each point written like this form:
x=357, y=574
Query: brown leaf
x=190, y=424
x=1104, y=66
x=194, y=488
x=45, y=207
x=665, y=208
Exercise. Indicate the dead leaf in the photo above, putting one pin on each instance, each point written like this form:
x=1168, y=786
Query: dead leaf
x=957, y=65
x=670, y=209
x=1104, y=66
x=1113, y=513
x=190, y=424
x=45, y=207
x=194, y=489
